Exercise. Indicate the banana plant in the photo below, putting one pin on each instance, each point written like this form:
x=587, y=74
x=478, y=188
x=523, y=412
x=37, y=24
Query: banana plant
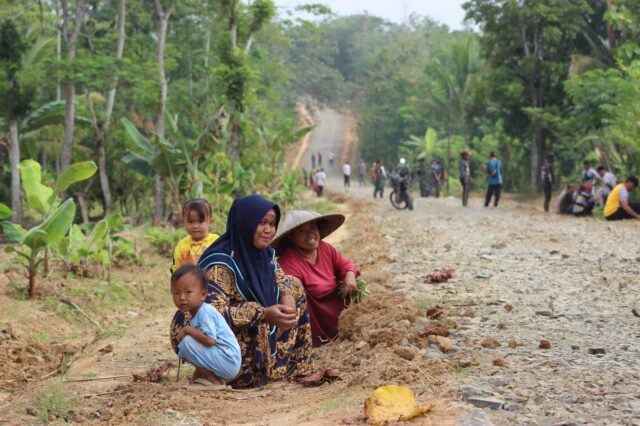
x=97, y=247
x=182, y=162
x=57, y=216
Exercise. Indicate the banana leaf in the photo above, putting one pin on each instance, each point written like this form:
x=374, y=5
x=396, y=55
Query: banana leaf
x=37, y=194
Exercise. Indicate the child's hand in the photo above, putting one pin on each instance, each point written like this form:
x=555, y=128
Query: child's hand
x=180, y=335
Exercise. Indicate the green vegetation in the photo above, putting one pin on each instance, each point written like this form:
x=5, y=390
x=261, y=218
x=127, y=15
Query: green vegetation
x=56, y=216
x=538, y=78
x=54, y=405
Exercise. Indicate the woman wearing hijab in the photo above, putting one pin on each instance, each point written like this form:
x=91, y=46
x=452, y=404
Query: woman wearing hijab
x=266, y=309
x=319, y=266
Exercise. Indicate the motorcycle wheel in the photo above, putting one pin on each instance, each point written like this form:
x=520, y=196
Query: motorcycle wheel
x=398, y=205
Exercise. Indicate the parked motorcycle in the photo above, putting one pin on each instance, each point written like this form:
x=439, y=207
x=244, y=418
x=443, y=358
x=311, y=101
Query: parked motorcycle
x=401, y=194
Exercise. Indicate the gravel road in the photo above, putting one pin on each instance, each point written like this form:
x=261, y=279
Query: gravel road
x=523, y=276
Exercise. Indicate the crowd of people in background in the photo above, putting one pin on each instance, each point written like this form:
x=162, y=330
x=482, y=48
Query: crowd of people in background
x=597, y=187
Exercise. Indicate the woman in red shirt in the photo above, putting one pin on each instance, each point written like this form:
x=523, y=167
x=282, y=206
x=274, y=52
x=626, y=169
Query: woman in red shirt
x=319, y=266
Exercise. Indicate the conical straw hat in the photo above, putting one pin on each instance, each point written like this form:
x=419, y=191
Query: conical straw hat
x=326, y=225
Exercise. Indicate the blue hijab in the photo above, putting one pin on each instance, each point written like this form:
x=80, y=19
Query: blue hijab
x=254, y=269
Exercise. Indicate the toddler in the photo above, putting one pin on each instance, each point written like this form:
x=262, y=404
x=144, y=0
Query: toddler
x=207, y=342
x=196, y=218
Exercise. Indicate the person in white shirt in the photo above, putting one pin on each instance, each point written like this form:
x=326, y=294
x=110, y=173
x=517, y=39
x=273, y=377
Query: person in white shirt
x=609, y=181
x=346, y=171
x=320, y=179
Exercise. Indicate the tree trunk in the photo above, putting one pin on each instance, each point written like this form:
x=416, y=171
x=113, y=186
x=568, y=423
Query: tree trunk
x=32, y=282
x=71, y=37
x=537, y=142
x=69, y=116
x=102, y=174
x=58, y=59
x=14, y=159
x=162, y=79
x=101, y=131
x=611, y=33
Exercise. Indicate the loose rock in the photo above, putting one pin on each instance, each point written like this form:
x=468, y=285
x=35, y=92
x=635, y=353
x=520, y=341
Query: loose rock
x=490, y=343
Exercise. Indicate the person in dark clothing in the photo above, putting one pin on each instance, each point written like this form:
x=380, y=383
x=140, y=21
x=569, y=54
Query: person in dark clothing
x=437, y=176
x=379, y=176
x=465, y=177
x=422, y=177
x=548, y=180
x=566, y=199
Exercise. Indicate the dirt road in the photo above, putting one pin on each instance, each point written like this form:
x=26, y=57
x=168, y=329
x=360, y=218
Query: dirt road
x=524, y=276
x=472, y=346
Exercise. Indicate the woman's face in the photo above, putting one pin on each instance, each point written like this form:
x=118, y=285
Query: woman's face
x=306, y=237
x=265, y=231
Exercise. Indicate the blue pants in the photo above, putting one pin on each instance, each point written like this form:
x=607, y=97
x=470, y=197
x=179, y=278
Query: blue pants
x=220, y=360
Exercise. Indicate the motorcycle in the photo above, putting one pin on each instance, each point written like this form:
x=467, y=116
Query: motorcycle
x=401, y=194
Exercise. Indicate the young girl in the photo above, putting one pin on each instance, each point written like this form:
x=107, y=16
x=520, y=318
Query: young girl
x=196, y=218
x=207, y=342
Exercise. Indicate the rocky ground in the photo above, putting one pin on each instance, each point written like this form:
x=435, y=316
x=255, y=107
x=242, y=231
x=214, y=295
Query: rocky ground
x=524, y=277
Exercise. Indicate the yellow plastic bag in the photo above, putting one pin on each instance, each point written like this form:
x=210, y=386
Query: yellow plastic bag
x=392, y=403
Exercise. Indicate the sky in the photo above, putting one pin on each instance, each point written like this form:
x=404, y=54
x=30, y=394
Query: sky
x=448, y=12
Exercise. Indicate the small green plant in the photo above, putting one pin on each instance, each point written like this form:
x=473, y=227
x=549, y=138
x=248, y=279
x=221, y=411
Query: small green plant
x=363, y=292
x=103, y=245
x=57, y=216
x=163, y=239
x=54, y=404
x=422, y=302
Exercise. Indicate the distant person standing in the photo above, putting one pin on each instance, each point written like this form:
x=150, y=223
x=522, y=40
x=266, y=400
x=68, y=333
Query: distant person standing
x=588, y=175
x=379, y=176
x=319, y=159
x=618, y=207
x=332, y=157
x=313, y=161
x=362, y=171
x=437, y=176
x=321, y=177
x=465, y=176
x=548, y=180
x=422, y=177
x=609, y=181
x=494, y=176
x=346, y=172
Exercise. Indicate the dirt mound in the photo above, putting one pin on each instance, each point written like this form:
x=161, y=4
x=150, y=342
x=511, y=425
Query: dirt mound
x=378, y=316
x=25, y=360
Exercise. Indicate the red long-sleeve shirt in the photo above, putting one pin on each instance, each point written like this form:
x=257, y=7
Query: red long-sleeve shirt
x=320, y=281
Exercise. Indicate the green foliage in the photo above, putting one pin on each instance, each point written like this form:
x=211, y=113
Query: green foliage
x=54, y=404
x=363, y=292
x=163, y=239
x=5, y=212
x=57, y=217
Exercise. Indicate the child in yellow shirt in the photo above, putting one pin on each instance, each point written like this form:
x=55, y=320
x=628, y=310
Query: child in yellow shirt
x=196, y=218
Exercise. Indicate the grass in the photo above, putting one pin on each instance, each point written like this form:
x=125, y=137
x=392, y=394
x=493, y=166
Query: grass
x=423, y=302
x=54, y=404
x=43, y=336
x=116, y=331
